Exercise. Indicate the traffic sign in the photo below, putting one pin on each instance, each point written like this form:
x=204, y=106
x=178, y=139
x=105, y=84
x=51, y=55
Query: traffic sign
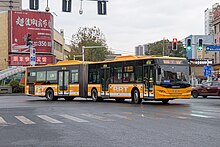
x=212, y=48
x=32, y=56
x=207, y=71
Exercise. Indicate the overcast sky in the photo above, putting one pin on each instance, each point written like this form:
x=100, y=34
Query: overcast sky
x=129, y=23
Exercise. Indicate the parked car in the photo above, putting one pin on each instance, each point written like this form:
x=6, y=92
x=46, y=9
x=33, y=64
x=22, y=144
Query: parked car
x=206, y=89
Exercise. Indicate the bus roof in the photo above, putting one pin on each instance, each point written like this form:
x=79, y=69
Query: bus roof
x=116, y=59
x=61, y=63
x=132, y=57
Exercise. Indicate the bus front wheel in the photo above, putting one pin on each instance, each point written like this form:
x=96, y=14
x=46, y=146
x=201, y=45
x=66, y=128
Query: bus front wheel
x=136, y=97
x=50, y=95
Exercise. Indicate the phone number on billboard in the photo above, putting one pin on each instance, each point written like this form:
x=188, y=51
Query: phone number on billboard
x=43, y=43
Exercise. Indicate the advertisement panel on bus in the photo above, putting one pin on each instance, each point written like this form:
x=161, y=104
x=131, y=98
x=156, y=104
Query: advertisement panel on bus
x=38, y=24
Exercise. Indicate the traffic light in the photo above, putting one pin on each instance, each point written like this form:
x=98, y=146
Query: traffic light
x=67, y=4
x=174, y=44
x=34, y=4
x=200, y=44
x=28, y=40
x=189, y=44
x=102, y=8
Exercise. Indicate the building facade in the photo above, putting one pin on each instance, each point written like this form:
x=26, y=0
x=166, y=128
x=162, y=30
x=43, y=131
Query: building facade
x=5, y=5
x=140, y=50
x=194, y=53
x=216, y=24
x=48, y=43
x=209, y=30
x=209, y=27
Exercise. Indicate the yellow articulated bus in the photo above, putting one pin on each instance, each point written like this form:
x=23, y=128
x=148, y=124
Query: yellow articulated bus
x=125, y=77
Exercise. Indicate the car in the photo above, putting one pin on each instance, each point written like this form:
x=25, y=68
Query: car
x=206, y=89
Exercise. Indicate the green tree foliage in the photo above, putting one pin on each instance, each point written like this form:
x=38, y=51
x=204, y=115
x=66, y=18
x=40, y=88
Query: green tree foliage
x=156, y=48
x=89, y=37
x=16, y=88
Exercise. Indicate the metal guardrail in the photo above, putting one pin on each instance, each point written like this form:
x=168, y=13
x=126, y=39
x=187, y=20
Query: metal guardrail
x=11, y=71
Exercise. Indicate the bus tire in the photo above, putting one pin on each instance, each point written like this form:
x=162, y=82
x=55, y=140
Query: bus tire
x=94, y=95
x=50, y=95
x=165, y=101
x=120, y=100
x=136, y=97
x=69, y=98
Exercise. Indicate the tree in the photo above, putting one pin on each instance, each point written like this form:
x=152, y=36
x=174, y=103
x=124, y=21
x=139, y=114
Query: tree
x=156, y=48
x=89, y=37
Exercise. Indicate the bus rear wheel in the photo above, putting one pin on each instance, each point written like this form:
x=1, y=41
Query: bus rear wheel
x=50, y=95
x=95, y=97
x=136, y=97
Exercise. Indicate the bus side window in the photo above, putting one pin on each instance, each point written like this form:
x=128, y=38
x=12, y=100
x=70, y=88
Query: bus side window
x=75, y=76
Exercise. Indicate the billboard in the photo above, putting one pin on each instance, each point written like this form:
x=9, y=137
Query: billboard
x=24, y=59
x=38, y=24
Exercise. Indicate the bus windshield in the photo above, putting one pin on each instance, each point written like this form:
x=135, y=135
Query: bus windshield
x=173, y=74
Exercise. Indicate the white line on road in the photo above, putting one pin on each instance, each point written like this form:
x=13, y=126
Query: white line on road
x=202, y=116
x=73, y=118
x=97, y=117
x=119, y=116
x=2, y=121
x=49, y=119
x=24, y=120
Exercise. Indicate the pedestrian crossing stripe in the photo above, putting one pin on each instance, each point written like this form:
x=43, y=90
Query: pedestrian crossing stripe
x=96, y=117
x=49, y=119
x=73, y=118
x=2, y=121
x=24, y=120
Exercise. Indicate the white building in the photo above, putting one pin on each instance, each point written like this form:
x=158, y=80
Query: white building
x=208, y=22
x=140, y=50
x=209, y=29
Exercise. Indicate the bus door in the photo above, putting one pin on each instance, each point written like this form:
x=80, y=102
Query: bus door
x=63, y=83
x=105, y=81
x=149, y=81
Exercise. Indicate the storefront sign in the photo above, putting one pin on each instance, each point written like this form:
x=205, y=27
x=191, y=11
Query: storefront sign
x=201, y=61
x=24, y=59
x=38, y=24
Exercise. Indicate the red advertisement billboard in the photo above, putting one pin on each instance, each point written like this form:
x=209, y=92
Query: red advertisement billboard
x=38, y=24
x=24, y=59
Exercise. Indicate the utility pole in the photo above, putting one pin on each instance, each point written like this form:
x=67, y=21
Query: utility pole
x=163, y=45
x=11, y=7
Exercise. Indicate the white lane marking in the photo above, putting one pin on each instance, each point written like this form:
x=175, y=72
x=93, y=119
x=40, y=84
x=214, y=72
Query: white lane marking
x=73, y=118
x=24, y=120
x=97, y=117
x=49, y=119
x=181, y=117
x=202, y=116
x=2, y=121
x=119, y=116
